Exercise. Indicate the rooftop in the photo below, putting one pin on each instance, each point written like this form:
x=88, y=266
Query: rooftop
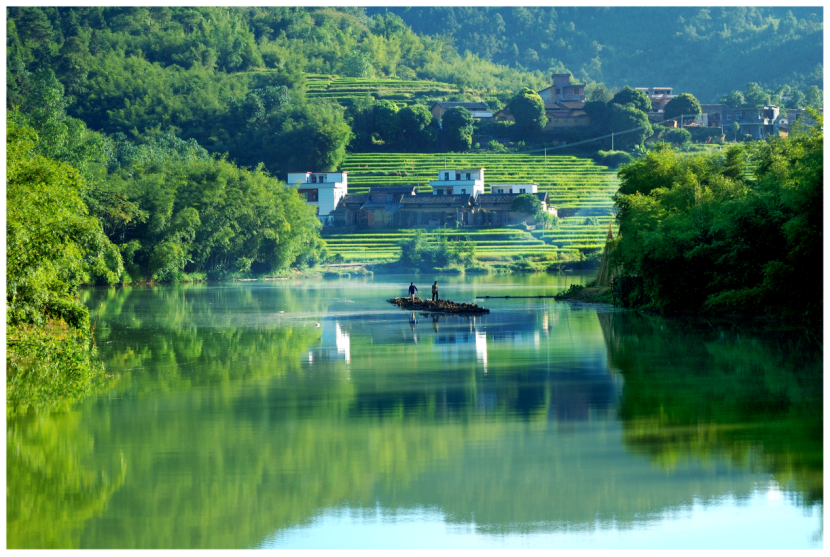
x=427, y=199
x=467, y=105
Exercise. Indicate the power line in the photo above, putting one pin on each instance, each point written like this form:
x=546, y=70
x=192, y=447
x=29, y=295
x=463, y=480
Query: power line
x=611, y=135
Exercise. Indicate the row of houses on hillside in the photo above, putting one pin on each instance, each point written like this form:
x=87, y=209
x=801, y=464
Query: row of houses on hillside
x=565, y=102
x=458, y=198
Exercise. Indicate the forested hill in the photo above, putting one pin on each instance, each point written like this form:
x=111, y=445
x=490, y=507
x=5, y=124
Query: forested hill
x=703, y=51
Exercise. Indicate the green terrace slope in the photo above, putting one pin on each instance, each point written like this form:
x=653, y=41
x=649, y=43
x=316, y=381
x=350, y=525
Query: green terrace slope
x=572, y=183
x=492, y=244
x=345, y=89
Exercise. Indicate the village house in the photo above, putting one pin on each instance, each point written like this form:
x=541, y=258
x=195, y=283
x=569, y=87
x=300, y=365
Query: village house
x=427, y=211
x=793, y=115
x=494, y=209
x=461, y=181
x=659, y=96
x=323, y=190
x=563, y=90
x=756, y=121
x=479, y=110
x=566, y=114
x=404, y=207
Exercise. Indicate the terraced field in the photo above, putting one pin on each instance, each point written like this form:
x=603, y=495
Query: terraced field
x=494, y=244
x=345, y=89
x=571, y=182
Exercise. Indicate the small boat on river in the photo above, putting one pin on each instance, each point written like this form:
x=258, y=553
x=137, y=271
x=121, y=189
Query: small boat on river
x=439, y=306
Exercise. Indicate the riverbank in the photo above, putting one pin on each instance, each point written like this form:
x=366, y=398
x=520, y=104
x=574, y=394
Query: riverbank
x=588, y=294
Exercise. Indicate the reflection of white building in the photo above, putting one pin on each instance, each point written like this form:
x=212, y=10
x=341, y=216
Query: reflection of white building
x=463, y=346
x=335, y=344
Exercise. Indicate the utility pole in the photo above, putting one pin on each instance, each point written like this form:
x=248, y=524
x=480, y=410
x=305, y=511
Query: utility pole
x=612, y=141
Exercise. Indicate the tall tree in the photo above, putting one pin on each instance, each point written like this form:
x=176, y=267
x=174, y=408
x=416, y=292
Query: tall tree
x=416, y=126
x=457, y=124
x=684, y=104
x=634, y=97
x=626, y=118
x=528, y=109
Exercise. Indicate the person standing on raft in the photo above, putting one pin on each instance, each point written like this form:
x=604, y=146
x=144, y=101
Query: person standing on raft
x=412, y=290
x=435, y=291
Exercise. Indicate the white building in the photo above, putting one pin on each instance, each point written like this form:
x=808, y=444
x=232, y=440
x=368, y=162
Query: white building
x=514, y=188
x=458, y=182
x=323, y=190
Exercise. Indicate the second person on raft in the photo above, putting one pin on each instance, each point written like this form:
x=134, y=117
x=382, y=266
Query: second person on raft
x=412, y=290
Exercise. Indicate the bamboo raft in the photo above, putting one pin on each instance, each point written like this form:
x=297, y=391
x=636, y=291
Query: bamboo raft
x=440, y=306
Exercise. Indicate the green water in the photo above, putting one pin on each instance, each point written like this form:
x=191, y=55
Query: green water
x=313, y=414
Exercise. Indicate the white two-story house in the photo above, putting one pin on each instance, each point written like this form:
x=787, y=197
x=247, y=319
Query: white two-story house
x=469, y=181
x=323, y=190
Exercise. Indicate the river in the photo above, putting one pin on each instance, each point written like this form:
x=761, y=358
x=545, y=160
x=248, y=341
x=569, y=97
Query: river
x=313, y=414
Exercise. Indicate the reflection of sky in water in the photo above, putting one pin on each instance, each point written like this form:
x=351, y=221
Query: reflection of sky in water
x=761, y=520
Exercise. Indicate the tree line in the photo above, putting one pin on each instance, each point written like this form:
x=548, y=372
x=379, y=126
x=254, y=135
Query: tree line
x=703, y=51
x=706, y=233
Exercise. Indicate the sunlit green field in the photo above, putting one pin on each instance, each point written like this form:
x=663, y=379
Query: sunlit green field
x=571, y=182
x=345, y=89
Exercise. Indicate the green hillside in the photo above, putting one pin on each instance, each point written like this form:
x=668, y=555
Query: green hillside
x=345, y=89
x=571, y=182
x=572, y=235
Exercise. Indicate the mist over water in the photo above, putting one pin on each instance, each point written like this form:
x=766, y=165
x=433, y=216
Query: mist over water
x=315, y=415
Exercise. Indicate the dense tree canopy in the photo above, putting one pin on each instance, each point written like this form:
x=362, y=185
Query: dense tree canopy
x=697, y=235
x=682, y=105
x=702, y=50
x=457, y=124
x=528, y=108
x=638, y=99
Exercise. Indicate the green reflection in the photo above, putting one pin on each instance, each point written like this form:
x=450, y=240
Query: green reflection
x=714, y=392
x=235, y=421
x=52, y=488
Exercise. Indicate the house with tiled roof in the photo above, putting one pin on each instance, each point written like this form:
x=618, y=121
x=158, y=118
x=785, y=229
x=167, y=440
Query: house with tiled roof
x=659, y=96
x=566, y=114
x=426, y=211
x=494, y=209
x=563, y=90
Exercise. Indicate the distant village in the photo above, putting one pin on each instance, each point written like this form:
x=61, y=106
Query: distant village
x=458, y=197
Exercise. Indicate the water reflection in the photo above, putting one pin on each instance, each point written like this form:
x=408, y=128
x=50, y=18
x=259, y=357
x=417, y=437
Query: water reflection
x=236, y=422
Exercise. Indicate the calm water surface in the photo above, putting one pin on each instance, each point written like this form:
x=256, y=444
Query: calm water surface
x=312, y=414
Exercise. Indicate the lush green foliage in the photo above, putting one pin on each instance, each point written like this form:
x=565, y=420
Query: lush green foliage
x=636, y=98
x=698, y=235
x=784, y=96
x=457, y=125
x=683, y=104
x=428, y=251
x=210, y=73
x=703, y=51
x=528, y=109
x=526, y=203
x=52, y=247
